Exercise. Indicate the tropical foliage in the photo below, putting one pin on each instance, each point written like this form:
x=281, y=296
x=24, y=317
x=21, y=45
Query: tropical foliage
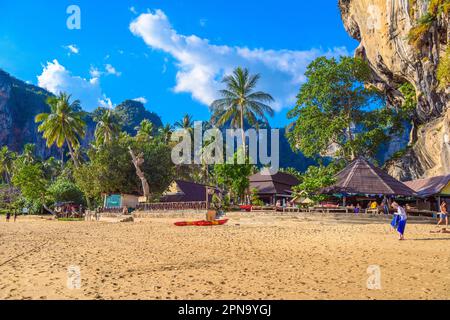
x=64, y=123
x=335, y=114
x=240, y=101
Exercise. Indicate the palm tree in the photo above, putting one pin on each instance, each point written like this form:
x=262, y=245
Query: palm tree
x=165, y=133
x=240, y=101
x=28, y=153
x=63, y=125
x=145, y=130
x=6, y=164
x=187, y=123
x=107, y=129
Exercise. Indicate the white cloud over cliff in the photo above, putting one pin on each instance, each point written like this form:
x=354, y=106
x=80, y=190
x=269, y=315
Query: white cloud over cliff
x=201, y=64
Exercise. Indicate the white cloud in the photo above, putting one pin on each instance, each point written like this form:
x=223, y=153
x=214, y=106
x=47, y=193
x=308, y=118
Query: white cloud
x=133, y=10
x=111, y=70
x=142, y=100
x=201, y=65
x=95, y=73
x=56, y=79
x=72, y=48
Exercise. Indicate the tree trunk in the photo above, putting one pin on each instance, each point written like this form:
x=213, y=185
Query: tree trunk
x=244, y=143
x=138, y=161
x=72, y=155
x=62, y=157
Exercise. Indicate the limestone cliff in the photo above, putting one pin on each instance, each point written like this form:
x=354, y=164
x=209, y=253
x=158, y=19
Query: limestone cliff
x=383, y=28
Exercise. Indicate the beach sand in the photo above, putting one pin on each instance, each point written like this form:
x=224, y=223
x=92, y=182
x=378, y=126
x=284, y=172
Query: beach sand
x=258, y=257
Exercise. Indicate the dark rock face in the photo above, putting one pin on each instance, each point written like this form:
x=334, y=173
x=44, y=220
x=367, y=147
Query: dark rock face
x=19, y=104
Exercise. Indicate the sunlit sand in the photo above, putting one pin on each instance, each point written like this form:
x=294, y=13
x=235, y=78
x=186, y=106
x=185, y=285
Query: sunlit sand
x=252, y=257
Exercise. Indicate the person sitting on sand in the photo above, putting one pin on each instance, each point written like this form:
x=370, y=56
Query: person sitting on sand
x=400, y=219
x=443, y=214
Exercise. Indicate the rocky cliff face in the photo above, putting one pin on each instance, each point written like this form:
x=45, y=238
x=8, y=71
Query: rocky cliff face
x=430, y=156
x=19, y=103
x=383, y=28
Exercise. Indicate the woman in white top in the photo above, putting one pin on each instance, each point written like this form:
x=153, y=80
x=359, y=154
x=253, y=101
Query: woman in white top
x=401, y=218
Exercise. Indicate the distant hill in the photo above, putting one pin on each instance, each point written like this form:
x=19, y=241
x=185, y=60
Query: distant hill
x=21, y=102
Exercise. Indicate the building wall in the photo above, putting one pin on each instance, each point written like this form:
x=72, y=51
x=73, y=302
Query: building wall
x=130, y=201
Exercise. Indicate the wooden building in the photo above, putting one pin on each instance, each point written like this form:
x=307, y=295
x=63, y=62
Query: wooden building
x=273, y=188
x=431, y=192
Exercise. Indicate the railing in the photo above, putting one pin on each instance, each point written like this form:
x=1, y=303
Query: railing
x=172, y=206
x=115, y=210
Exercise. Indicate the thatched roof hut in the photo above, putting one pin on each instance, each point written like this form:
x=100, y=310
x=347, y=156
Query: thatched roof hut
x=435, y=186
x=362, y=177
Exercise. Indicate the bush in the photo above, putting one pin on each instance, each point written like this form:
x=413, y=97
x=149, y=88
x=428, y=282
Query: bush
x=64, y=190
x=443, y=71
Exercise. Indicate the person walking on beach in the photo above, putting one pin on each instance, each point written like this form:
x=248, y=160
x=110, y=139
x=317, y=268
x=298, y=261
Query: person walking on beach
x=443, y=214
x=400, y=219
x=8, y=216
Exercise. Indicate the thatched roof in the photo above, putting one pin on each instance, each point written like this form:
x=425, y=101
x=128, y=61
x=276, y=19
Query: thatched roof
x=429, y=187
x=280, y=183
x=362, y=177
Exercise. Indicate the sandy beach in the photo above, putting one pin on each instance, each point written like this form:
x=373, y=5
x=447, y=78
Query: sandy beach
x=258, y=257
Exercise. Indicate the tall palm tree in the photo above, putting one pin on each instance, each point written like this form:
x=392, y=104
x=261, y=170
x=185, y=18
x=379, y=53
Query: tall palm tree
x=187, y=123
x=107, y=129
x=63, y=125
x=241, y=102
x=6, y=164
x=145, y=130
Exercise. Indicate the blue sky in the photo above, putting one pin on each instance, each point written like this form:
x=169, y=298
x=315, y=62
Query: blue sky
x=169, y=54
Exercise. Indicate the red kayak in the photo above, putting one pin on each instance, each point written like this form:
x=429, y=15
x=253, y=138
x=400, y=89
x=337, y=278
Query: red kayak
x=202, y=223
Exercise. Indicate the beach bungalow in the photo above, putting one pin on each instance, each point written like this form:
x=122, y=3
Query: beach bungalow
x=118, y=201
x=431, y=192
x=273, y=188
x=361, y=182
x=184, y=191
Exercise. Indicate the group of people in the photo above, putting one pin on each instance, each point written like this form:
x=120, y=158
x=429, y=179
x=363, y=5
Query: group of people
x=400, y=219
x=8, y=216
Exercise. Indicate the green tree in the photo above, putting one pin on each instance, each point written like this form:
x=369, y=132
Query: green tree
x=107, y=129
x=317, y=178
x=241, y=102
x=29, y=178
x=110, y=168
x=187, y=123
x=63, y=125
x=7, y=158
x=145, y=130
x=165, y=133
x=332, y=110
x=234, y=177
x=64, y=190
